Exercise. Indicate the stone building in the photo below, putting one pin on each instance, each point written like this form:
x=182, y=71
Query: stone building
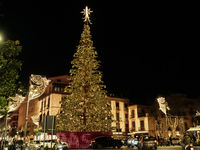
x=140, y=121
x=49, y=103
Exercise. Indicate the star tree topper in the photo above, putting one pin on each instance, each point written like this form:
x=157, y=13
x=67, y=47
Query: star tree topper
x=86, y=12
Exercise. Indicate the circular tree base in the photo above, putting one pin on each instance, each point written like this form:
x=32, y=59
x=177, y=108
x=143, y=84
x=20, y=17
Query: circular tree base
x=76, y=140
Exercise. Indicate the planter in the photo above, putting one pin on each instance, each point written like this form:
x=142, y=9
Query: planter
x=78, y=140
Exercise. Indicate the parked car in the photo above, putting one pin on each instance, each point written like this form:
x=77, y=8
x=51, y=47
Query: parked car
x=176, y=141
x=147, y=142
x=132, y=142
x=104, y=141
x=124, y=141
x=129, y=141
x=163, y=142
x=32, y=146
x=36, y=144
x=62, y=146
x=18, y=144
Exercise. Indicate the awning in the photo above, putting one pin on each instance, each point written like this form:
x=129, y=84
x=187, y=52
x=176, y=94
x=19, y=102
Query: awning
x=194, y=129
x=138, y=132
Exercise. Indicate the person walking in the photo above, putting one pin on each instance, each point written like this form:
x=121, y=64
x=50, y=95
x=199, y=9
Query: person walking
x=170, y=140
x=186, y=140
x=12, y=146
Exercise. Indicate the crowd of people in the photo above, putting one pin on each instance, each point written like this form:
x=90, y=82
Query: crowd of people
x=11, y=145
x=185, y=140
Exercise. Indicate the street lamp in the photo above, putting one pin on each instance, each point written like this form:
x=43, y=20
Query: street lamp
x=37, y=85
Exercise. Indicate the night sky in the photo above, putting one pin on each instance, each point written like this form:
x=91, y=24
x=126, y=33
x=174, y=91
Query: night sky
x=146, y=49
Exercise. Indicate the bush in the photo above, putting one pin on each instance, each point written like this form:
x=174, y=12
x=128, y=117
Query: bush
x=46, y=148
x=54, y=147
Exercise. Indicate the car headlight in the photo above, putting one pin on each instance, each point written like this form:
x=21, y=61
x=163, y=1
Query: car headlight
x=60, y=146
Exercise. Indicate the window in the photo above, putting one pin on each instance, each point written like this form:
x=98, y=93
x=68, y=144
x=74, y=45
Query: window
x=126, y=116
x=117, y=104
x=132, y=114
x=58, y=80
x=142, y=111
x=48, y=102
x=40, y=117
x=126, y=127
x=117, y=116
x=186, y=127
x=62, y=89
x=41, y=106
x=133, y=126
x=125, y=105
x=142, y=125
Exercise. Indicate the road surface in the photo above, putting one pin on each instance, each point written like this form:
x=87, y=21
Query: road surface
x=135, y=148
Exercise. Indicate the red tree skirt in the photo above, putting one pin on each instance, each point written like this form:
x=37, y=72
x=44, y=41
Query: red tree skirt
x=80, y=139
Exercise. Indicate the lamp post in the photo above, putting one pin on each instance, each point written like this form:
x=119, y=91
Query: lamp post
x=37, y=86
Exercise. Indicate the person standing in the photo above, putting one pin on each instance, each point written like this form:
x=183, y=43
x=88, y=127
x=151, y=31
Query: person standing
x=170, y=140
x=12, y=146
x=186, y=140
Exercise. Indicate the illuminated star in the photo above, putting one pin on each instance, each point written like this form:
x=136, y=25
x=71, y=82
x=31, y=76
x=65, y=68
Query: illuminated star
x=86, y=12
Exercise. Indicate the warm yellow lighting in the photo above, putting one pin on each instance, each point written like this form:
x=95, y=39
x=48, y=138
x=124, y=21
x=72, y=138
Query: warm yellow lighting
x=35, y=119
x=86, y=12
x=37, y=86
x=162, y=104
x=14, y=103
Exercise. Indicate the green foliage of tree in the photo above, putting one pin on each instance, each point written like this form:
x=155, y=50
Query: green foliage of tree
x=10, y=66
x=37, y=132
x=46, y=147
x=86, y=107
x=22, y=133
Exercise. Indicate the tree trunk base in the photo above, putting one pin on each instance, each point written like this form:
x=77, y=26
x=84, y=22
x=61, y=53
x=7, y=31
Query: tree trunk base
x=76, y=140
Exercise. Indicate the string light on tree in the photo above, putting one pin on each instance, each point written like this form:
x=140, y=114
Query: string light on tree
x=86, y=108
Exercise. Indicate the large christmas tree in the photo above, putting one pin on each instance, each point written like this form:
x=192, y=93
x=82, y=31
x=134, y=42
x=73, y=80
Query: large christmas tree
x=86, y=107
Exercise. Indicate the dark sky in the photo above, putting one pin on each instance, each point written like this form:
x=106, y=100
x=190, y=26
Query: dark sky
x=146, y=49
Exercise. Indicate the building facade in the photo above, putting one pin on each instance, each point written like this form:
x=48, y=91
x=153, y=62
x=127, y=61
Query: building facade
x=49, y=104
x=131, y=119
x=140, y=121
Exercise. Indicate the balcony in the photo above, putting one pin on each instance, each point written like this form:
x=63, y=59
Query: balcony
x=141, y=129
x=132, y=129
x=142, y=115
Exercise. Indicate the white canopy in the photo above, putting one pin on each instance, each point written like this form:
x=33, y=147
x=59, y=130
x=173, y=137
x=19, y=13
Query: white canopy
x=194, y=129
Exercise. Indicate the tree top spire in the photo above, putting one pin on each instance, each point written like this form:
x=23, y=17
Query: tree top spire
x=86, y=12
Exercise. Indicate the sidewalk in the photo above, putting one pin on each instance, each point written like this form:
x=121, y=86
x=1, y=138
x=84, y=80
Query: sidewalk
x=171, y=147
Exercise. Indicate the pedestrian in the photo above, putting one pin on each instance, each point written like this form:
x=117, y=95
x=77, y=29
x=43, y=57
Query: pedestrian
x=170, y=140
x=12, y=146
x=186, y=140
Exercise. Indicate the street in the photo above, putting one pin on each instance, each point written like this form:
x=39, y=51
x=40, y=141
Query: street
x=159, y=148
